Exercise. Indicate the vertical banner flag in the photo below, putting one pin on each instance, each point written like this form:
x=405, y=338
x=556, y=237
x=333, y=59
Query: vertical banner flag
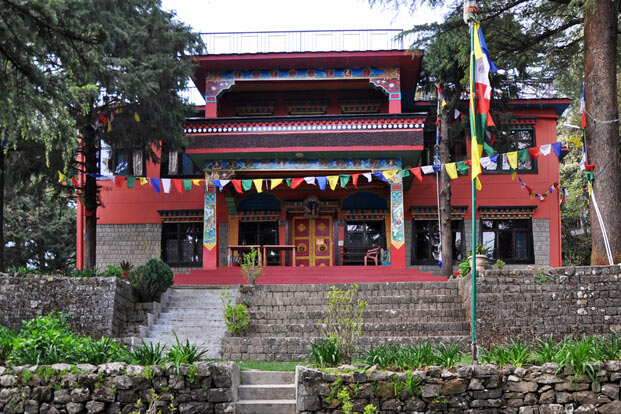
x=479, y=116
x=583, y=108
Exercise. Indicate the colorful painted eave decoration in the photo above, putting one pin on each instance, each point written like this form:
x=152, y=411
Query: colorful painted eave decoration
x=305, y=73
x=319, y=125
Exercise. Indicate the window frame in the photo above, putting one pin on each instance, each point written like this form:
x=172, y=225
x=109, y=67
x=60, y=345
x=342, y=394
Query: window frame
x=514, y=146
x=130, y=163
x=273, y=259
x=431, y=261
x=179, y=233
x=164, y=173
x=530, y=250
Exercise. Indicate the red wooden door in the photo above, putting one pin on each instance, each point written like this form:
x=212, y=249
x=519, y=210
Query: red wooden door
x=314, y=240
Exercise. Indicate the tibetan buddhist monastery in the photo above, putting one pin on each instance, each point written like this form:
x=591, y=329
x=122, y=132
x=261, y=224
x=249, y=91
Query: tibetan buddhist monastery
x=307, y=147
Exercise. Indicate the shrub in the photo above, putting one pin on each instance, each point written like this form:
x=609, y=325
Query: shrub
x=148, y=354
x=251, y=266
x=7, y=336
x=325, y=353
x=83, y=273
x=112, y=271
x=448, y=355
x=236, y=316
x=90, y=351
x=464, y=267
x=343, y=322
x=152, y=279
x=184, y=353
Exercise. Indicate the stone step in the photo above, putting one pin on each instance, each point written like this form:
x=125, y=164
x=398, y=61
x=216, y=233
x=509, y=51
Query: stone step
x=362, y=287
x=266, y=377
x=267, y=392
x=266, y=407
x=186, y=325
x=399, y=315
x=371, y=300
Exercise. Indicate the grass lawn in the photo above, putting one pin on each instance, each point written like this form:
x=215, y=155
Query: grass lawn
x=270, y=365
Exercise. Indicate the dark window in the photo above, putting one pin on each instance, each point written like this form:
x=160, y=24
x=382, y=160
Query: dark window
x=129, y=162
x=515, y=140
x=426, y=240
x=508, y=240
x=178, y=164
x=182, y=244
x=260, y=233
x=361, y=236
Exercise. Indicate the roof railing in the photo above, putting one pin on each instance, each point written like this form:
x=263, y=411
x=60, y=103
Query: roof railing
x=302, y=41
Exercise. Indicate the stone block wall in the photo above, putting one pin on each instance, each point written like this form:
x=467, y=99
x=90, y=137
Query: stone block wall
x=553, y=301
x=98, y=306
x=135, y=243
x=464, y=389
x=223, y=244
x=541, y=241
x=119, y=388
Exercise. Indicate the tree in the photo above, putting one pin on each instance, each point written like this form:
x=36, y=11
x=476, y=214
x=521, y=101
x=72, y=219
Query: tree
x=142, y=68
x=543, y=53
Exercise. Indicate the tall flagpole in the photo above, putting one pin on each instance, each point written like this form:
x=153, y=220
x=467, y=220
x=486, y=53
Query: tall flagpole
x=470, y=11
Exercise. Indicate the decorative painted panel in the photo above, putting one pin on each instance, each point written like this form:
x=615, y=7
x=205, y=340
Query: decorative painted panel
x=209, y=227
x=306, y=73
x=397, y=230
x=305, y=164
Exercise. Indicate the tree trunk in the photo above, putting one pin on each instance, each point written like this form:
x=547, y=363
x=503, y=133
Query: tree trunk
x=2, y=204
x=90, y=198
x=445, y=196
x=600, y=45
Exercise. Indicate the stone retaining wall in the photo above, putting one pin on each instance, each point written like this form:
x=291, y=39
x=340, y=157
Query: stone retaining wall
x=119, y=388
x=135, y=243
x=98, y=306
x=464, y=389
x=528, y=304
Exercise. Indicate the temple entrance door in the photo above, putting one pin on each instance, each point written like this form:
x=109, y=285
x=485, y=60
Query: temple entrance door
x=313, y=238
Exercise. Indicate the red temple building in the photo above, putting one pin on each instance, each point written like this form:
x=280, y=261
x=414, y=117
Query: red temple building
x=308, y=142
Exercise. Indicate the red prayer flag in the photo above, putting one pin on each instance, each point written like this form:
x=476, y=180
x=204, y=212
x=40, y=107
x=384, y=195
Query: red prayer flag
x=589, y=167
x=534, y=152
x=119, y=180
x=238, y=185
x=75, y=183
x=416, y=172
x=469, y=163
x=354, y=179
x=178, y=184
x=296, y=182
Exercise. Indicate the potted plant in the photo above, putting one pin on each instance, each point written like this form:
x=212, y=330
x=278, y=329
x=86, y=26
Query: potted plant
x=481, y=253
x=251, y=266
x=126, y=268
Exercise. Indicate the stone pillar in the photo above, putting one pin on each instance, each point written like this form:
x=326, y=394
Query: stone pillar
x=210, y=232
x=397, y=226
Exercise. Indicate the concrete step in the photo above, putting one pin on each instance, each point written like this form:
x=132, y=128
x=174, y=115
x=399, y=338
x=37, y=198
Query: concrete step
x=267, y=392
x=266, y=377
x=266, y=407
x=179, y=325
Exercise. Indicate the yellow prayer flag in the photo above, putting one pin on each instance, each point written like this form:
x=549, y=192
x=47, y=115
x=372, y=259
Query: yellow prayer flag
x=388, y=174
x=514, y=175
x=196, y=181
x=143, y=180
x=136, y=117
x=451, y=170
x=109, y=126
x=275, y=182
x=333, y=180
x=61, y=177
x=258, y=183
x=512, y=157
x=478, y=184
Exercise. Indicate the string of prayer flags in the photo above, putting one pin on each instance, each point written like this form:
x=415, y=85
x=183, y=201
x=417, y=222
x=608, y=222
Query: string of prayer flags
x=143, y=180
x=119, y=180
x=178, y=185
x=380, y=176
x=534, y=152
x=437, y=167
x=368, y=177
x=309, y=180
x=246, y=185
x=354, y=179
x=427, y=169
x=288, y=181
x=196, y=181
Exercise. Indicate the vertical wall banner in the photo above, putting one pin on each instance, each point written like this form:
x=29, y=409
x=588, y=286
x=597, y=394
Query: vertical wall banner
x=397, y=227
x=209, y=227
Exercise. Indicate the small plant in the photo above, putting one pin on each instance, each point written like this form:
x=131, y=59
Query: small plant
x=126, y=269
x=343, y=322
x=541, y=277
x=581, y=355
x=90, y=272
x=370, y=409
x=184, y=353
x=112, y=271
x=7, y=336
x=236, y=317
x=251, y=266
x=448, y=355
x=500, y=264
x=397, y=386
x=148, y=354
x=346, y=405
x=152, y=279
x=325, y=353
x=546, y=350
x=412, y=383
x=464, y=267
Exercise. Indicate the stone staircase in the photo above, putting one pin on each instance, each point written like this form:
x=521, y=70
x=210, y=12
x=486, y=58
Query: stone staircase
x=283, y=318
x=266, y=392
x=194, y=314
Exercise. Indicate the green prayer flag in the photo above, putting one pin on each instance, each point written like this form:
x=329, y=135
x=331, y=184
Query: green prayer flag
x=288, y=181
x=463, y=167
x=344, y=179
x=488, y=149
x=187, y=185
x=246, y=185
x=404, y=173
x=523, y=155
x=130, y=181
x=589, y=176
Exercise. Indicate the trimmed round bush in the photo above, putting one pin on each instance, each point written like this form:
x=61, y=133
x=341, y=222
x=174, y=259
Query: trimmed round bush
x=151, y=279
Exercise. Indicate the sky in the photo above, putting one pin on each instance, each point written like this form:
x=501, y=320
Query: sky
x=273, y=15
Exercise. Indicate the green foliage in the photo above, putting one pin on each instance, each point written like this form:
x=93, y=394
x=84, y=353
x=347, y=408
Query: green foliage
x=112, y=271
x=91, y=272
x=97, y=352
x=148, y=354
x=325, y=353
x=346, y=405
x=251, y=265
x=500, y=264
x=126, y=268
x=448, y=355
x=546, y=350
x=152, y=279
x=582, y=355
x=236, y=316
x=7, y=336
x=516, y=353
x=541, y=277
x=370, y=409
x=464, y=267
x=184, y=353
x=343, y=322
x=407, y=357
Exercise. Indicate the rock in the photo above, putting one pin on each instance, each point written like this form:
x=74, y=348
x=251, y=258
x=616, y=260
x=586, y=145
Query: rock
x=385, y=390
x=86, y=368
x=224, y=408
x=613, y=366
x=176, y=382
x=8, y=380
x=564, y=397
x=112, y=368
x=126, y=396
x=465, y=371
x=550, y=368
x=414, y=404
x=586, y=409
x=390, y=405
x=134, y=370
x=548, y=397
x=530, y=398
x=528, y=410
x=309, y=403
x=485, y=370
x=74, y=408
x=475, y=384
x=485, y=394
x=217, y=395
x=611, y=391
x=80, y=395
x=585, y=397
x=547, y=379
x=122, y=382
x=571, y=386
x=522, y=386
x=87, y=380
x=104, y=394
x=42, y=393
x=454, y=386
x=202, y=369
x=93, y=407
x=190, y=408
x=62, y=396
x=551, y=409
x=31, y=407
x=613, y=407
x=140, y=383
x=430, y=390
x=61, y=367
x=222, y=374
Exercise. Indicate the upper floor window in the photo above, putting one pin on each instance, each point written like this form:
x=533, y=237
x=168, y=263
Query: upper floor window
x=514, y=140
x=128, y=162
x=176, y=164
x=508, y=240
